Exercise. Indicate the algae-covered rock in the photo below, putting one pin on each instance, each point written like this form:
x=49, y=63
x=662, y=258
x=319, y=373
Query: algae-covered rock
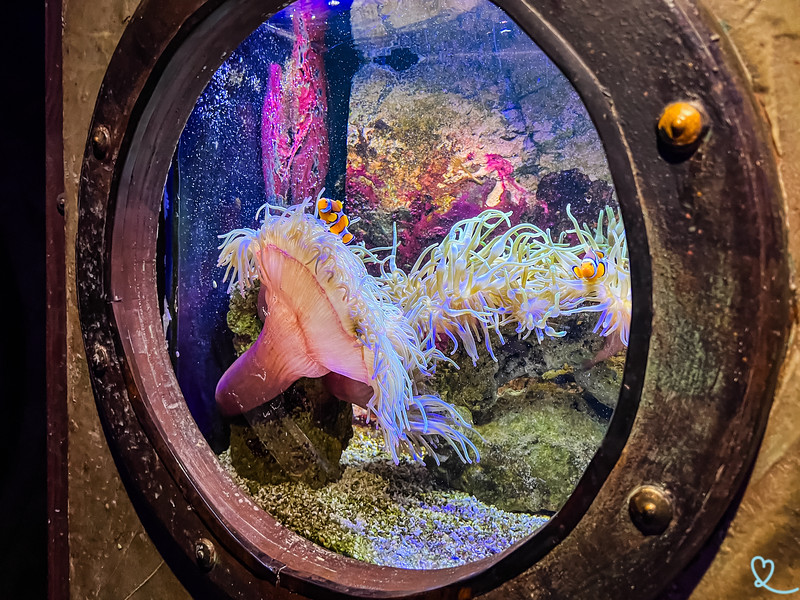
x=474, y=386
x=471, y=386
x=603, y=380
x=388, y=514
x=243, y=318
x=299, y=436
x=537, y=445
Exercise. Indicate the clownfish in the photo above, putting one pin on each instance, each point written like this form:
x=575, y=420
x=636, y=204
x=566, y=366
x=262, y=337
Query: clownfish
x=592, y=266
x=330, y=211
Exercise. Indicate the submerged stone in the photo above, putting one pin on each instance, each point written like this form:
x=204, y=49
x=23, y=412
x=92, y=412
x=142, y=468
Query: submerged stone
x=587, y=197
x=243, y=318
x=298, y=437
x=388, y=514
x=535, y=450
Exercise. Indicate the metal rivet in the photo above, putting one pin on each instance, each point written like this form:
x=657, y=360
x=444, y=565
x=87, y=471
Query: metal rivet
x=650, y=509
x=99, y=358
x=60, y=204
x=681, y=124
x=101, y=139
x=205, y=554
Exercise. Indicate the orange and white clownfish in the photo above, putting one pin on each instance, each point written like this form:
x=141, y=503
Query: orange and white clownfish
x=592, y=266
x=330, y=211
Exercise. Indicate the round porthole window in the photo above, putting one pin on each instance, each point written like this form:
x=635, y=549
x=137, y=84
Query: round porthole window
x=425, y=298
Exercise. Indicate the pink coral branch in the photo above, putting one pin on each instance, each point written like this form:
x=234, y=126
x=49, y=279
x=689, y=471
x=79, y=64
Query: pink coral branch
x=274, y=137
x=294, y=131
x=504, y=170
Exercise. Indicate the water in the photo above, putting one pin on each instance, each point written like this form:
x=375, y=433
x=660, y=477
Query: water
x=430, y=392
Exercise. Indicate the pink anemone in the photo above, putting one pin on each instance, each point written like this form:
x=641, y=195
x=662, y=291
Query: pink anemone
x=324, y=315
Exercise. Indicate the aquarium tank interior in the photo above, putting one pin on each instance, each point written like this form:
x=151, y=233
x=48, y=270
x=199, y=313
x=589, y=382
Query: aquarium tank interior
x=394, y=278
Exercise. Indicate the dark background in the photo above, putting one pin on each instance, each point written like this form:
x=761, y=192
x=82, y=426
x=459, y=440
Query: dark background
x=23, y=514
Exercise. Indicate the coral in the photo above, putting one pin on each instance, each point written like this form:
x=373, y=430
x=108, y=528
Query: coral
x=294, y=135
x=308, y=108
x=506, y=182
x=275, y=133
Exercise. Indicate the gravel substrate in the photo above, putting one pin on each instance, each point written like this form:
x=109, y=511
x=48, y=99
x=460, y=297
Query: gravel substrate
x=388, y=514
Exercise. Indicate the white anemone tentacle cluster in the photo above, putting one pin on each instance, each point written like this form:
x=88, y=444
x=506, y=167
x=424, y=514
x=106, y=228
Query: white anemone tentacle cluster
x=415, y=422
x=477, y=280
x=484, y=275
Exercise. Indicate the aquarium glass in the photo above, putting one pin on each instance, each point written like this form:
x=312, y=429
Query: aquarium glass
x=395, y=279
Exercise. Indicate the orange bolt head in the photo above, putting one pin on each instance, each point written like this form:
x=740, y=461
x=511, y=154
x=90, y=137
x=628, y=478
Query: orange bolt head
x=680, y=124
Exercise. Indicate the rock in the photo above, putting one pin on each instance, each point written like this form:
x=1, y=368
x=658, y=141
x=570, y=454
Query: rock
x=585, y=197
x=298, y=436
x=243, y=318
x=539, y=428
x=602, y=381
x=534, y=451
x=471, y=386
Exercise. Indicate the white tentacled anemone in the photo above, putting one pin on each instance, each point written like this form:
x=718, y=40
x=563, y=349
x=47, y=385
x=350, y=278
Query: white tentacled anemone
x=610, y=295
x=471, y=283
x=324, y=314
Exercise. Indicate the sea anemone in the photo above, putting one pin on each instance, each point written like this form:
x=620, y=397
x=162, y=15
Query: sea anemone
x=610, y=295
x=486, y=274
x=323, y=313
x=373, y=338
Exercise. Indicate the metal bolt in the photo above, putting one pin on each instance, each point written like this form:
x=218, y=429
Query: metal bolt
x=205, y=554
x=60, y=204
x=681, y=124
x=99, y=358
x=650, y=509
x=101, y=139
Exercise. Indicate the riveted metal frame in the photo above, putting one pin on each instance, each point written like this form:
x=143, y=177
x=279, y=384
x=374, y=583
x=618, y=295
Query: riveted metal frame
x=710, y=285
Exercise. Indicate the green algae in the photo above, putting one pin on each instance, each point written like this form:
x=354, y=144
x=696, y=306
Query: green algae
x=534, y=449
x=243, y=318
x=389, y=514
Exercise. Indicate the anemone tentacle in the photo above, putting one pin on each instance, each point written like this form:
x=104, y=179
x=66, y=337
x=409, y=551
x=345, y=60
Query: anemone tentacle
x=484, y=275
x=392, y=351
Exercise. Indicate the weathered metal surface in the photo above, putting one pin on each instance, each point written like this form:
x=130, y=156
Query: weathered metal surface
x=57, y=493
x=766, y=522
x=109, y=553
x=719, y=283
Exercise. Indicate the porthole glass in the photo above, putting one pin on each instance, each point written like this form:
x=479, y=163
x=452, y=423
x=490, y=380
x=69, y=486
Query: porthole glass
x=394, y=278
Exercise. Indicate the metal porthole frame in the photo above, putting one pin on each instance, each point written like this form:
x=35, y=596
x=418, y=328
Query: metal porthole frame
x=711, y=302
